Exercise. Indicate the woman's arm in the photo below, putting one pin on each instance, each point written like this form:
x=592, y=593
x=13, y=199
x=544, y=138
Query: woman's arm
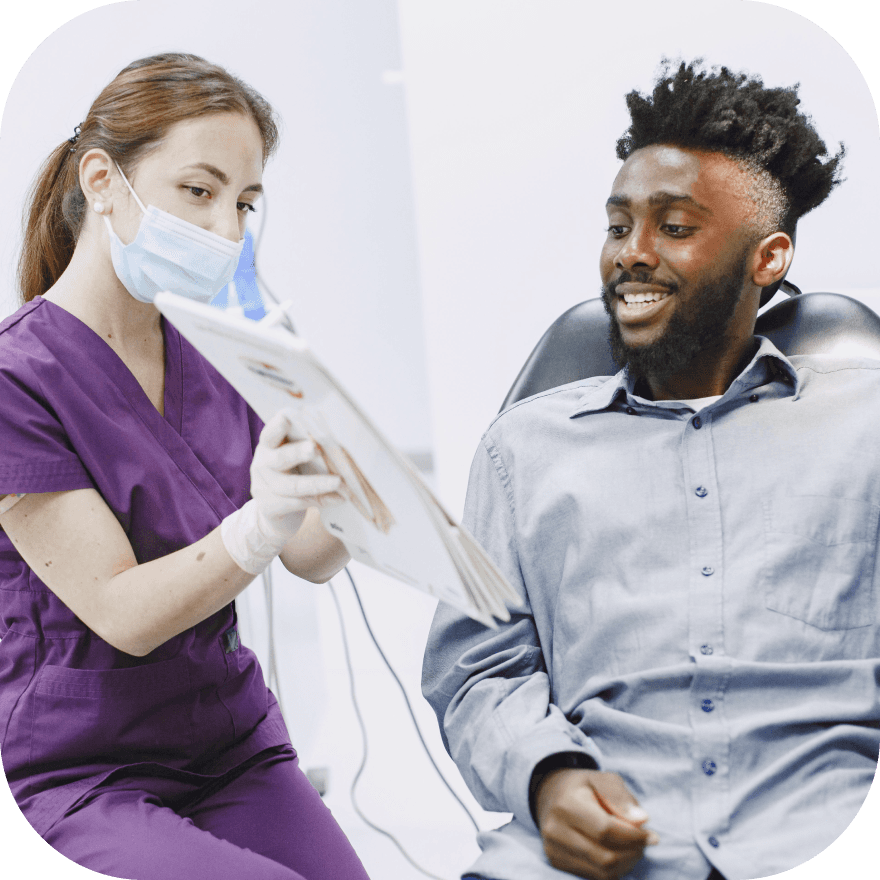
x=313, y=553
x=76, y=546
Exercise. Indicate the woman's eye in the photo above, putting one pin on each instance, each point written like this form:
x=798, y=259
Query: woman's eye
x=198, y=191
x=246, y=206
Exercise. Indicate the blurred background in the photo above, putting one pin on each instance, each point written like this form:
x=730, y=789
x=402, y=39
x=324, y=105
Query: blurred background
x=436, y=202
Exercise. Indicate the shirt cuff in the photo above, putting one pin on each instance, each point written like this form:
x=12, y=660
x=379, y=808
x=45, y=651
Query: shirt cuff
x=525, y=757
x=559, y=761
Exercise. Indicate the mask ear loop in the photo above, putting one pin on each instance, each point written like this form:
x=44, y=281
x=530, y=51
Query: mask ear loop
x=107, y=222
x=131, y=189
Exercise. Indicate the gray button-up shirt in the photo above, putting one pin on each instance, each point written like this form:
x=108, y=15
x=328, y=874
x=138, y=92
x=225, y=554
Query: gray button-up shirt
x=701, y=618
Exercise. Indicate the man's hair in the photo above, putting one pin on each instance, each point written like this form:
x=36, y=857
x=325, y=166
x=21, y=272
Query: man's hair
x=733, y=113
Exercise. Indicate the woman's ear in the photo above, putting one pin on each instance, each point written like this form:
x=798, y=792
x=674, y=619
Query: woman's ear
x=773, y=256
x=95, y=177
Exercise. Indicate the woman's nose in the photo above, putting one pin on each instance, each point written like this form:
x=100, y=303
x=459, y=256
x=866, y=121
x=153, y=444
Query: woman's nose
x=228, y=224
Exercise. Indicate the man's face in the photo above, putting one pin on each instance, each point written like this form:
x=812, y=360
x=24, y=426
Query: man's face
x=677, y=257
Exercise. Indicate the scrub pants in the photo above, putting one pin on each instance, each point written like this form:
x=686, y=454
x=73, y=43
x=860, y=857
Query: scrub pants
x=262, y=821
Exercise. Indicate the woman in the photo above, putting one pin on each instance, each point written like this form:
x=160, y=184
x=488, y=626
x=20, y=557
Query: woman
x=139, y=738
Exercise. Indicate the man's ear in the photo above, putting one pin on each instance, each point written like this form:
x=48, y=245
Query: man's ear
x=773, y=256
x=96, y=172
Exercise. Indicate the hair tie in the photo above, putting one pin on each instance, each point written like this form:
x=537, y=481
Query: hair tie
x=76, y=133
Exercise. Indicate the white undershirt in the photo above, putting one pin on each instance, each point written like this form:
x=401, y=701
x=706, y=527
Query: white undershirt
x=699, y=403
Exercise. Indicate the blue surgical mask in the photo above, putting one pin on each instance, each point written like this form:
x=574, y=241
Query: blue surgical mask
x=172, y=254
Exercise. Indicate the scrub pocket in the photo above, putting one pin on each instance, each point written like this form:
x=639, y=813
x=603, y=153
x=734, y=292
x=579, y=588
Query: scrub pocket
x=83, y=715
x=819, y=558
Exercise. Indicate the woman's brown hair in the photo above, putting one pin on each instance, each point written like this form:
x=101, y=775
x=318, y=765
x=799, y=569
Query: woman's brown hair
x=129, y=118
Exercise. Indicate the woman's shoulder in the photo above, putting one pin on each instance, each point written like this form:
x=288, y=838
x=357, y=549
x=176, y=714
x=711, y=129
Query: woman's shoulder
x=24, y=331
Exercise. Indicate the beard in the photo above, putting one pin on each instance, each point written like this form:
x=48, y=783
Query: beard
x=692, y=328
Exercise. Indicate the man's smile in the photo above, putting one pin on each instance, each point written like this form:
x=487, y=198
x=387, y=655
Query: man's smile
x=637, y=301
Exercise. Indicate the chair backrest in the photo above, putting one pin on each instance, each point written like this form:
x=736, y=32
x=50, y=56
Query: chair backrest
x=576, y=344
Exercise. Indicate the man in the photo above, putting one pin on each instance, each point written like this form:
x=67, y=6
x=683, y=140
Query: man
x=691, y=688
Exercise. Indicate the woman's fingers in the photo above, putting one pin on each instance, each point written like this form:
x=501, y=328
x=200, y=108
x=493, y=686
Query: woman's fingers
x=305, y=485
x=276, y=430
x=291, y=455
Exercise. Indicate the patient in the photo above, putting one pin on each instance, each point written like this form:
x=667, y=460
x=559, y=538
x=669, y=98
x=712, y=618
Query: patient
x=691, y=690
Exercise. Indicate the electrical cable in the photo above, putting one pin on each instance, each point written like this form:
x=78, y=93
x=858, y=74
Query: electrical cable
x=273, y=660
x=273, y=665
x=363, y=764
x=261, y=283
x=409, y=707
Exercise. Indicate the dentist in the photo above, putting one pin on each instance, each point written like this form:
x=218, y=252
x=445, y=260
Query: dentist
x=138, y=496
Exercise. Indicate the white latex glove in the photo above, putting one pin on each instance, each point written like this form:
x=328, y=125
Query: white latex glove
x=280, y=497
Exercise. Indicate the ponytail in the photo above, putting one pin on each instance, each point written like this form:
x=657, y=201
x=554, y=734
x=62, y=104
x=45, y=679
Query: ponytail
x=131, y=115
x=52, y=223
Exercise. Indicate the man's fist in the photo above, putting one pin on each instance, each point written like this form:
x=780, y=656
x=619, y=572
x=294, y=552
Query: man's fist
x=590, y=824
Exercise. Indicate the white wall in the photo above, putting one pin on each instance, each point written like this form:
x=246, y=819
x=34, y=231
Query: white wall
x=515, y=109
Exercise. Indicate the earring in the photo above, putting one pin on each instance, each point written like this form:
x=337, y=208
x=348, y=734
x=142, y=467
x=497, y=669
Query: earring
x=99, y=207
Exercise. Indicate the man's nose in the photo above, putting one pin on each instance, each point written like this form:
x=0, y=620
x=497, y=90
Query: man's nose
x=637, y=250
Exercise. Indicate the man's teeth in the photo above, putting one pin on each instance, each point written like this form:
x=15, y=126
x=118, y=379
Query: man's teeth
x=631, y=298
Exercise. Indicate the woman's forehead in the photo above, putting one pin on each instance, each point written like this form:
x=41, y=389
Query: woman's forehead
x=228, y=141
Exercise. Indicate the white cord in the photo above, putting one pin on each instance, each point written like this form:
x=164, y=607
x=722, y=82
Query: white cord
x=360, y=770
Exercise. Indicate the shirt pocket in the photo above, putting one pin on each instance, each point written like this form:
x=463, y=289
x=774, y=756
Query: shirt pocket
x=819, y=559
x=120, y=716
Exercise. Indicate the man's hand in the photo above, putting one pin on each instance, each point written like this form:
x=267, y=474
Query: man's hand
x=590, y=824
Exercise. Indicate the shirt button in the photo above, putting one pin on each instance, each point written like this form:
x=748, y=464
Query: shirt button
x=630, y=411
x=707, y=570
x=705, y=649
x=697, y=422
x=707, y=705
x=701, y=491
x=713, y=841
x=753, y=398
x=709, y=768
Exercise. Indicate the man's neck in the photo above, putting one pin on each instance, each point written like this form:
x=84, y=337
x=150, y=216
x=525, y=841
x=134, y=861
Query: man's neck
x=708, y=375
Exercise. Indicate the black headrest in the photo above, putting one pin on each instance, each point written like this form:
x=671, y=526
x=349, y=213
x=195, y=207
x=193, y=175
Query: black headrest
x=576, y=344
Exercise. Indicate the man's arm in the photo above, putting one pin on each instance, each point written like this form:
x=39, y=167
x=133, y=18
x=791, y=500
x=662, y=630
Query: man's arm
x=491, y=692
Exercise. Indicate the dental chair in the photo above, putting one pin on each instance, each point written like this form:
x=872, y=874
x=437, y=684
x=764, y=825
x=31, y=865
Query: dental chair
x=576, y=344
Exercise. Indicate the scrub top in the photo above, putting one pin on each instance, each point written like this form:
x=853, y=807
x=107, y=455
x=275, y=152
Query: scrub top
x=74, y=711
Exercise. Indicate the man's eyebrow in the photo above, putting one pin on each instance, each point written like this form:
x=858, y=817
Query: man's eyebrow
x=659, y=200
x=222, y=176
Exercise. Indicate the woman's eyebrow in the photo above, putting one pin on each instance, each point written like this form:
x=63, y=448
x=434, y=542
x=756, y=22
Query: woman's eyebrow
x=222, y=176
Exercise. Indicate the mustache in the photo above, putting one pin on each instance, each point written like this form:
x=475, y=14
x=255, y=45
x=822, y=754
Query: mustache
x=639, y=278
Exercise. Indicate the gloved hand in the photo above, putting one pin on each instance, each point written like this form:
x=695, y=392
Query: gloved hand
x=280, y=497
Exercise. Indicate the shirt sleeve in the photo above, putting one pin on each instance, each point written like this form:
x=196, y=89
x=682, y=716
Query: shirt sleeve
x=35, y=452
x=490, y=688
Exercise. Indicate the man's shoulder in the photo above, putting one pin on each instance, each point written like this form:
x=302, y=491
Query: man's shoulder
x=837, y=374
x=553, y=406
x=825, y=364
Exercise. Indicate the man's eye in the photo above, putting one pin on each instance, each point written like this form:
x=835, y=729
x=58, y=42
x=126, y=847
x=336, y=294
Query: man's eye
x=246, y=206
x=617, y=231
x=676, y=230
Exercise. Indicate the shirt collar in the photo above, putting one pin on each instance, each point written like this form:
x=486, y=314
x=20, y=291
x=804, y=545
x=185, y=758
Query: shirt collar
x=769, y=364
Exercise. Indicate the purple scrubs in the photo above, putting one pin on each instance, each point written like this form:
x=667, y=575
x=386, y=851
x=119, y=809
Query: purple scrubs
x=145, y=742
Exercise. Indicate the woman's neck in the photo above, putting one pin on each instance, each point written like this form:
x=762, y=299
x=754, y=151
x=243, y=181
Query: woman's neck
x=90, y=290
